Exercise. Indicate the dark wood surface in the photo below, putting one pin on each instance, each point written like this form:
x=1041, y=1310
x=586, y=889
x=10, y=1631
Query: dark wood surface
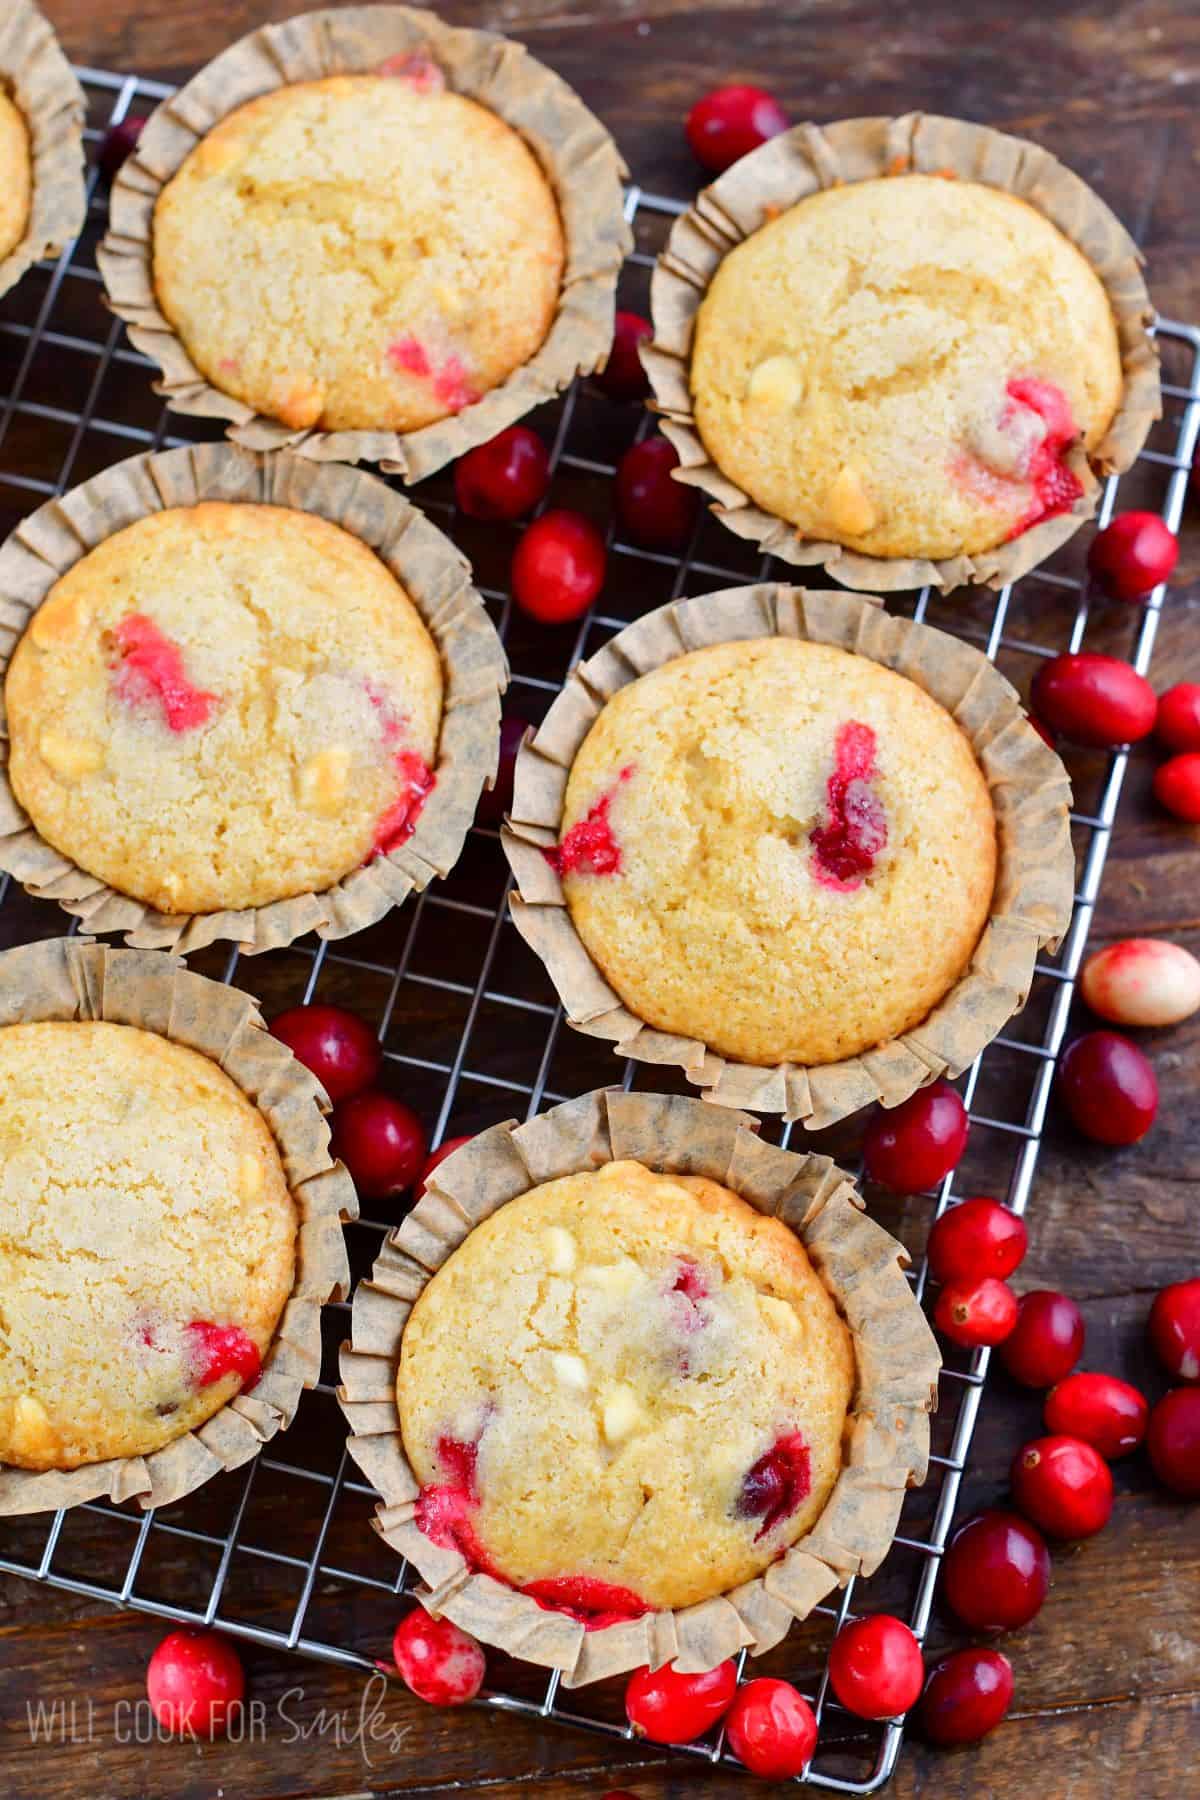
x=1108, y=1678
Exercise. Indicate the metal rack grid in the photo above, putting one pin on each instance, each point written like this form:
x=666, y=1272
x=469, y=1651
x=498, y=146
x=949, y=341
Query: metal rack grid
x=280, y=1552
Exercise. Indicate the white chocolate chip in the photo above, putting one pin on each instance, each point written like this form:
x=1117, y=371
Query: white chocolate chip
x=848, y=505
x=570, y=1371
x=622, y=1414
x=450, y=300
x=56, y=625
x=321, y=781
x=561, y=1255
x=70, y=758
x=251, y=1177
x=775, y=384
x=779, y=1314
x=617, y=1280
x=32, y=1431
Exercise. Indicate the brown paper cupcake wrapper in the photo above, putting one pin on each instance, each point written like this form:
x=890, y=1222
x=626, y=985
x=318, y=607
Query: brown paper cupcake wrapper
x=811, y=157
x=38, y=78
x=1029, y=788
x=576, y=153
x=438, y=580
x=887, y=1444
x=70, y=978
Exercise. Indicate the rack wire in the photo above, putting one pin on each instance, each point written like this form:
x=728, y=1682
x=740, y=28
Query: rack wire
x=281, y=1552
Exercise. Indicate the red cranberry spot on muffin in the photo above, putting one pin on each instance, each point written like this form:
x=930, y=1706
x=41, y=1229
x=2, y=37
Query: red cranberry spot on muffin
x=590, y=845
x=689, y=1280
x=855, y=830
x=1055, y=486
x=452, y=385
x=219, y=1350
x=776, y=1484
x=591, y=1602
x=411, y=356
x=149, y=671
x=420, y=72
x=417, y=780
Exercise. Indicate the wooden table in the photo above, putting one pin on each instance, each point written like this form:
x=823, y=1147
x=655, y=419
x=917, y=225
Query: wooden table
x=1108, y=1678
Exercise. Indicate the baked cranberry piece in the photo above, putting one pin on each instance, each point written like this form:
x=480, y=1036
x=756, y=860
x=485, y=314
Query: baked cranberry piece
x=1174, y=1330
x=669, y=1708
x=1177, y=786
x=731, y=121
x=504, y=478
x=1142, y=981
x=437, y=1662
x=1132, y=555
x=381, y=1141
x=1106, y=1413
x=1173, y=1440
x=220, y=1350
x=1108, y=1088
x=771, y=1729
x=558, y=566
x=973, y=1313
x=1093, y=699
x=657, y=511
x=438, y=1156
x=118, y=143
x=875, y=1667
x=979, y=1237
x=853, y=831
x=966, y=1696
x=1177, y=725
x=778, y=1483
x=334, y=1045
x=1046, y=1340
x=494, y=802
x=1063, y=1485
x=194, y=1681
x=996, y=1572
x=623, y=377
x=913, y=1146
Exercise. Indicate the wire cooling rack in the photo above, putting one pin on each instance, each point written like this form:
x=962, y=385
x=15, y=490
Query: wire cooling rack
x=281, y=1552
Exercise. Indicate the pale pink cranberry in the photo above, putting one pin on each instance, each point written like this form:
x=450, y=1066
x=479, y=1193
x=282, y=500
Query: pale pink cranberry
x=504, y=478
x=558, y=566
x=772, y=1729
x=439, y=1663
x=1132, y=555
x=1093, y=699
x=967, y=1695
x=1108, y=1087
x=1177, y=786
x=853, y=830
x=1174, y=1329
x=1177, y=725
x=670, y=1708
x=731, y=121
x=336, y=1046
x=623, y=377
x=1064, y=1486
x=1106, y=1413
x=381, y=1141
x=194, y=1681
x=657, y=511
x=875, y=1667
x=1142, y=981
x=1173, y=1440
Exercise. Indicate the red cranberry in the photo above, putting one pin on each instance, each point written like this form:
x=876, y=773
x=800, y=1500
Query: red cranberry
x=996, y=1572
x=504, y=478
x=1175, y=1330
x=979, y=1237
x=731, y=121
x=777, y=1484
x=558, y=567
x=966, y=1696
x=876, y=1668
x=976, y=1312
x=1047, y=1340
x=1178, y=723
x=381, y=1141
x=1094, y=699
x=657, y=511
x=1106, y=1413
x=118, y=143
x=1177, y=786
x=1142, y=981
x=669, y=1708
x=1173, y=1440
x=438, y=1156
x=912, y=1146
x=771, y=1729
x=1108, y=1087
x=220, y=1350
x=1132, y=555
x=1063, y=1485
x=437, y=1662
x=193, y=1682
x=496, y=801
x=1043, y=731
x=334, y=1045
x=623, y=377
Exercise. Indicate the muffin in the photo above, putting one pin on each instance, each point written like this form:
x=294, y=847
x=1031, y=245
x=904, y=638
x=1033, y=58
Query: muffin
x=43, y=201
x=624, y=1392
x=223, y=705
x=365, y=252
x=777, y=847
x=147, y=1242
x=16, y=175
x=905, y=366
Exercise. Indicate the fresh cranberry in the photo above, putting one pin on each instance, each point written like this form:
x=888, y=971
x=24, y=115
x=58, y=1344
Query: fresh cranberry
x=623, y=377
x=779, y=1482
x=1063, y=1485
x=996, y=1572
x=119, y=142
x=966, y=1696
x=558, y=567
x=437, y=1662
x=771, y=1729
x=1093, y=699
x=669, y=1708
x=504, y=478
x=1142, y=981
x=731, y=121
x=875, y=1667
x=381, y=1141
x=1132, y=555
x=912, y=1146
x=1177, y=786
x=1108, y=1087
x=1177, y=725
x=979, y=1237
x=1173, y=1440
x=657, y=511
x=1106, y=1413
x=1047, y=1339
x=976, y=1312
x=1175, y=1330
x=333, y=1044
x=494, y=802
x=438, y=1156
x=194, y=1681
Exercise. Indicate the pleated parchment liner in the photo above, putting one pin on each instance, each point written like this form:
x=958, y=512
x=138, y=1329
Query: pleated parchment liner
x=810, y=157
x=887, y=1440
x=438, y=580
x=1035, y=877
x=37, y=77
x=577, y=155
x=70, y=978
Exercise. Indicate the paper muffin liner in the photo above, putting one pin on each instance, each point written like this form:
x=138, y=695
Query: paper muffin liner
x=810, y=157
x=1029, y=789
x=887, y=1437
x=437, y=579
x=576, y=154
x=37, y=76
x=70, y=978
